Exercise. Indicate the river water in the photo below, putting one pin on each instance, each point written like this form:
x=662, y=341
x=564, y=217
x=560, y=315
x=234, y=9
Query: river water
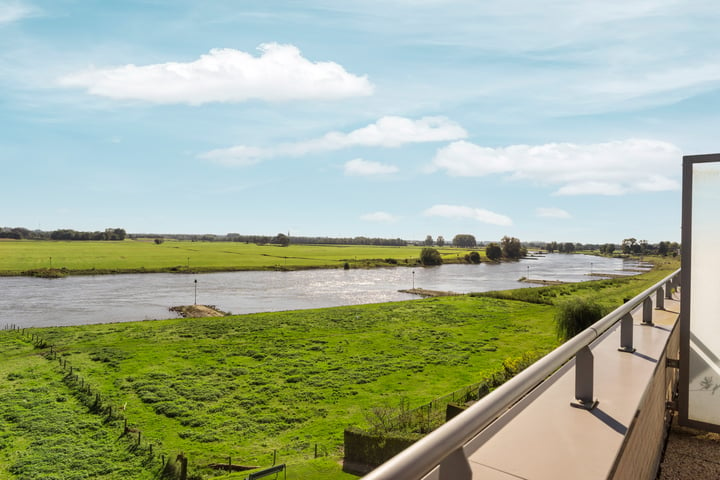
x=78, y=300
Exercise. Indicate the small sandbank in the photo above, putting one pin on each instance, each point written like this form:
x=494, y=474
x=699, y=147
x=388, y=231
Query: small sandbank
x=429, y=293
x=197, y=311
x=542, y=282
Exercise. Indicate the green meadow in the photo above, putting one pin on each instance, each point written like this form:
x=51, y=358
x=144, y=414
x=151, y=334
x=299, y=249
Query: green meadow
x=130, y=256
x=255, y=387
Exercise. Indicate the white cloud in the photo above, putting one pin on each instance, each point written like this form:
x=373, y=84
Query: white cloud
x=611, y=168
x=552, y=212
x=388, y=131
x=381, y=217
x=280, y=73
x=360, y=167
x=14, y=11
x=479, y=214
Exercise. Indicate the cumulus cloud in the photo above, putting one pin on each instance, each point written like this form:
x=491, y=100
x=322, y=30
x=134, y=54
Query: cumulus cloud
x=381, y=217
x=478, y=214
x=360, y=167
x=611, y=168
x=280, y=73
x=552, y=213
x=388, y=131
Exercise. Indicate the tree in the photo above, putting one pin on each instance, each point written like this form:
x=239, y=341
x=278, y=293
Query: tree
x=281, y=239
x=551, y=247
x=430, y=256
x=493, y=251
x=607, y=249
x=628, y=245
x=511, y=248
x=464, y=240
x=440, y=242
x=568, y=247
x=474, y=257
x=429, y=241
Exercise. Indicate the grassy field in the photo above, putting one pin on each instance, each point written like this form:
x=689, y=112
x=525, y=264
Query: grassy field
x=247, y=386
x=129, y=256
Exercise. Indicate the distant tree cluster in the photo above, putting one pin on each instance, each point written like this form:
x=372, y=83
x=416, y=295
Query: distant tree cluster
x=567, y=247
x=464, y=240
x=18, y=233
x=512, y=248
x=277, y=239
x=607, y=249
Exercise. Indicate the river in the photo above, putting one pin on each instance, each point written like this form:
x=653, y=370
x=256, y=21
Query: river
x=78, y=300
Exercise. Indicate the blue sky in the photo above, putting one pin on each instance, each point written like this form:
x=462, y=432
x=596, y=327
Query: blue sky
x=557, y=120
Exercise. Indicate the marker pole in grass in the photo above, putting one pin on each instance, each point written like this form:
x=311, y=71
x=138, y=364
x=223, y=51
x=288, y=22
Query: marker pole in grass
x=413, y=272
x=195, y=292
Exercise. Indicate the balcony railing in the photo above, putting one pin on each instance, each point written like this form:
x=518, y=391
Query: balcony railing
x=444, y=447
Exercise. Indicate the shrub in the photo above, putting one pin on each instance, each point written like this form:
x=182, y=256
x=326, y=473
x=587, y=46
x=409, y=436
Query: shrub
x=474, y=257
x=430, y=256
x=574, y=316
x=493, y=251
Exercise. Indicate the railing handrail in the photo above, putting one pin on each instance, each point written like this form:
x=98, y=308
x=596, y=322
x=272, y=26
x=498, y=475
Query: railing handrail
x=427, y=453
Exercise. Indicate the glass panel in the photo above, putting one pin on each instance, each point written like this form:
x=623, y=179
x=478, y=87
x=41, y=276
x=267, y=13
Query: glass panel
x=704, y=365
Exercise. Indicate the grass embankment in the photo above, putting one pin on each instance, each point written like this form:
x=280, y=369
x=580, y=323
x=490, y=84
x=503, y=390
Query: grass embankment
x=244, y=386
x=51, y=258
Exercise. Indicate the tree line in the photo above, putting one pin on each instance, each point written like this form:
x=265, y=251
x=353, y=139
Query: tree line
x=279, y=239
x=19, y=233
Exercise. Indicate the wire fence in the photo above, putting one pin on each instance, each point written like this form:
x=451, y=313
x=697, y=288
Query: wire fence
x=171, y=467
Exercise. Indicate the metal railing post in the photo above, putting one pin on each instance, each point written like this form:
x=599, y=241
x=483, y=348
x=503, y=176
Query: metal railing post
x=647, y=312
x=455, y=467
x=660, y=299
x=584, y=377
x=626, y=334
x=669, y=288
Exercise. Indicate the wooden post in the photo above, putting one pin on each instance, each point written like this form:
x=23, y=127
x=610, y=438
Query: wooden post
x=183, y=466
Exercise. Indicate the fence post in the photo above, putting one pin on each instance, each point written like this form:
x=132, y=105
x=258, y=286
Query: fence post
x=183, y=466
x=584, y=377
